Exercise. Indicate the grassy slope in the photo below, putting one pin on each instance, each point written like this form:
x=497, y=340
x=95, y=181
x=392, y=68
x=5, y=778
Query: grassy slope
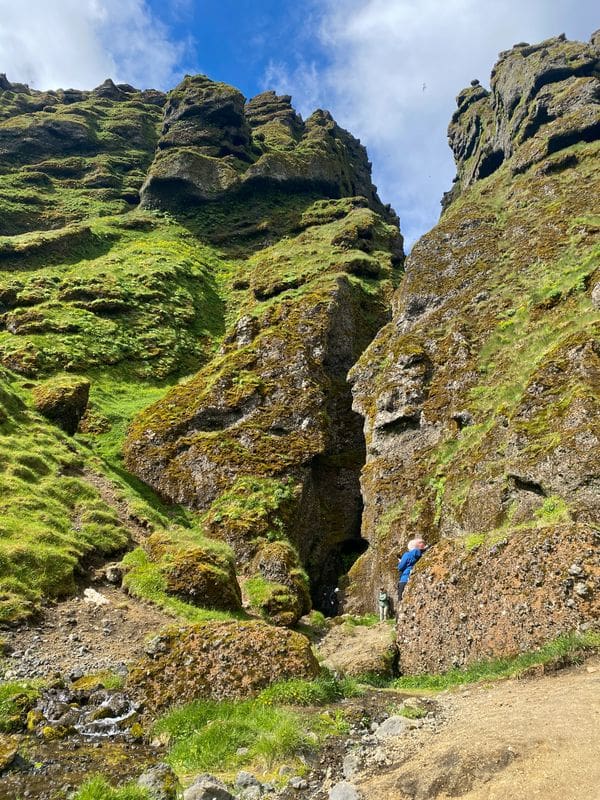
x=133, y=301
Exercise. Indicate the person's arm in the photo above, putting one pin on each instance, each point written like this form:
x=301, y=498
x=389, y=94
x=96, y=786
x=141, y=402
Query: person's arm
x=403, y=563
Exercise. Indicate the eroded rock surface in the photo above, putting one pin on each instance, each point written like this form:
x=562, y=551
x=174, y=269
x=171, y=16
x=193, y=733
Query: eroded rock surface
x=220, y=660
x=480, y=398
x=214, y=143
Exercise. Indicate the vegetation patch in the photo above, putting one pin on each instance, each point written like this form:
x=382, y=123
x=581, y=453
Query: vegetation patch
x=319, y=692
x=16, y=699
x=222, y=736
x=98, y=788
x=565, y=650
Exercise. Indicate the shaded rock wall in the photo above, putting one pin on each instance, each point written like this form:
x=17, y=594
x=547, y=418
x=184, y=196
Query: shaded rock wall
x=480, y=398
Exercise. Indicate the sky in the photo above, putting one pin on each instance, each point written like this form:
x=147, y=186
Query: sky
x=388, y=70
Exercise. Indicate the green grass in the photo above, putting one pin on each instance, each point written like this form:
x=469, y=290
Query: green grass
x=207, y=735
x=98, y=788
x=50, y=519
x=412, y=713
x=319, y=692
x=16, y=698
x=364, y=620
x=568, y=649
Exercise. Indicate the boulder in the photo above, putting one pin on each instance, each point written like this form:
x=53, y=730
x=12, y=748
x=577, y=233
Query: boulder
x=220, y=660
x=161, y=783
x=207, y=787
x=63, y=401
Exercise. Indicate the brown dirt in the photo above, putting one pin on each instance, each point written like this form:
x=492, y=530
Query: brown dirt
x=512, y=740
x=76, y=635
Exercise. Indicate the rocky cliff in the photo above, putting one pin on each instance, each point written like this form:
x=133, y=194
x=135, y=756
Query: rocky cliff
x=220, y=264
x=481, y=396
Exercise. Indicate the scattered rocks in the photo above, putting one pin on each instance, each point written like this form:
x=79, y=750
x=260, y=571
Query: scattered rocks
x=207, y=787
x=161, y=783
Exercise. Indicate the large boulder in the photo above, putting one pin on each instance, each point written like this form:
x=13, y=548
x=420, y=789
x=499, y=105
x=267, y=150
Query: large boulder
x=63, y=401
x=220, y=660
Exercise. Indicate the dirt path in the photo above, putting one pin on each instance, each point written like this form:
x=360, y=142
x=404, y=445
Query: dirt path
x=513, y=740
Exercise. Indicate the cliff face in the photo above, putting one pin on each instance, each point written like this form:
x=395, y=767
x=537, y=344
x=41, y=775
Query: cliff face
x=263, y=441
x=148, y=239
x=481, y=397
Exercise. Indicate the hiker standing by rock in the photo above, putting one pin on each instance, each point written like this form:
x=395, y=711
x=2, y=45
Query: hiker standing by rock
x=384, y=604
x=414, y=551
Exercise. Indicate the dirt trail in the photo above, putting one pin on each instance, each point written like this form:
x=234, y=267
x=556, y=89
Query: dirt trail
x=512, y=740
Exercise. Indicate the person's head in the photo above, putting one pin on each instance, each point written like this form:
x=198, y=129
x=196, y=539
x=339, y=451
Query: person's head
x=381, y=589
x=418, y=543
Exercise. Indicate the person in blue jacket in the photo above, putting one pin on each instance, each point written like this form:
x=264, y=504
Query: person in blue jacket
x=414, y=551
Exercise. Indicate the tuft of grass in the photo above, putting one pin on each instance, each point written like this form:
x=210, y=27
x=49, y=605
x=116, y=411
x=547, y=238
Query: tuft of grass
x=412, y=713
x=16, y=698
x=296, y=692
x=568, y=649
x=98, y=788
x=208, y=735
x=366, y=620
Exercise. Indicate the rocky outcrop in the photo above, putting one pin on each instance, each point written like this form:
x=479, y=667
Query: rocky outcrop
x=480, y=397
x=543, y=99
x=62, y=401
x=63, y=152
x=263, y=440
x=220, y=660
x=213, y=144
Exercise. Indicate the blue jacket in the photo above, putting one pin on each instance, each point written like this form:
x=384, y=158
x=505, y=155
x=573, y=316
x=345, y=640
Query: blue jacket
x=406, y=563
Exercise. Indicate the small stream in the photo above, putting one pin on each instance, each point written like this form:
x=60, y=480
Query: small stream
x=76, y=733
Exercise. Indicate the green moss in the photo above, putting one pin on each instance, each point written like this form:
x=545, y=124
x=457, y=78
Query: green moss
x=16, y=699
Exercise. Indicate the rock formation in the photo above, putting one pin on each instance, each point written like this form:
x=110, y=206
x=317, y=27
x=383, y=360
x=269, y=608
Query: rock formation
x=480, y=398
x=186, y=281
x=257, y=267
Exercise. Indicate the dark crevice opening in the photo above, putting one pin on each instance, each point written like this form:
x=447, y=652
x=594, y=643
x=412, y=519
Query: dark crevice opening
x=490, y=163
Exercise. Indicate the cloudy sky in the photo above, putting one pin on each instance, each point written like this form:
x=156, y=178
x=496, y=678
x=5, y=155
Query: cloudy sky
x=389, y=70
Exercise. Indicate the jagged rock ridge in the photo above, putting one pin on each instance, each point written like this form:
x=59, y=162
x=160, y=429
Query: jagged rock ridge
x=480, y=398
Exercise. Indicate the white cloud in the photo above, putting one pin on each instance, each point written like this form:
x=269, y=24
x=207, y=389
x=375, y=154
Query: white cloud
x=394, y=67
x=79, y=43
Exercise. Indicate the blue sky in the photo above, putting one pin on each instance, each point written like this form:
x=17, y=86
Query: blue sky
x=388, y=70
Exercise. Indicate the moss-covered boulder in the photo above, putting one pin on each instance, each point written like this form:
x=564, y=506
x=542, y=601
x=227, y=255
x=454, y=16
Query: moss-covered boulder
x=63, y=401
x=200, y=575
x=278, y=589
x=219, y=660
x=480, y=398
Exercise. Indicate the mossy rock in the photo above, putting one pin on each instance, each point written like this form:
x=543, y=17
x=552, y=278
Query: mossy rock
x=201, y=577
x=220, y=660
x=63, y=401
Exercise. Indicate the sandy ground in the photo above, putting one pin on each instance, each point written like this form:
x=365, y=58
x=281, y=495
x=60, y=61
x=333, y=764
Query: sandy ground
x=512, y=740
